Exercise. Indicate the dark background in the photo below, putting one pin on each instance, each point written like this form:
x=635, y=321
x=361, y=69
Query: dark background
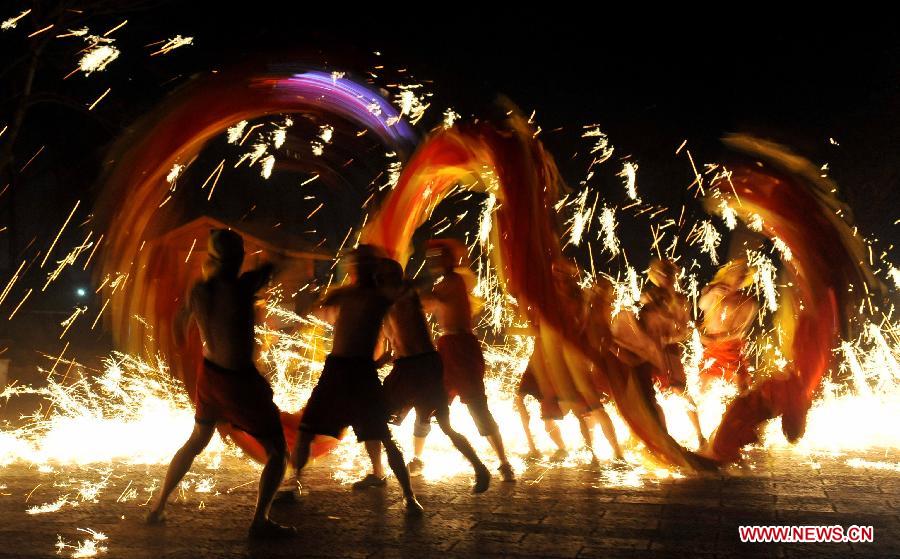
x=650, y=80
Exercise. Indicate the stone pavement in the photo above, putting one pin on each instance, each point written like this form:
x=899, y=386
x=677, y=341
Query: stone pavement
x=551, y=512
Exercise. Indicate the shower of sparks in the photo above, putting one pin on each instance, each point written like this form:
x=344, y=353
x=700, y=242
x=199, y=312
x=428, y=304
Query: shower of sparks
x=326, y=132
x=98, y=55
x=581, y=220
x=728, y=215
x=764, y=278
x=450, y=117
x=174, y=173
x=601, y=144
x=783, y=249
x=411, y=106
x=173, y=43
x=629, y=173
x=894, y=274
x=608, y=230
x=11, y=22
x=706, y=235
x=236, y=132
x=266, y=166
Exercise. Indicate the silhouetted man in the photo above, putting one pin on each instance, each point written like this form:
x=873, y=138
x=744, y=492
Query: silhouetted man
x=349, y=393
x=229, y=388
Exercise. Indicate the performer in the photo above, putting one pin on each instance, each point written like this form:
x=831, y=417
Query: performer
x=416, y=379
x=229, y=388
x=552, y=411
x=349, y=392
x=460, y=352
x=664, y=317
x=728, y=313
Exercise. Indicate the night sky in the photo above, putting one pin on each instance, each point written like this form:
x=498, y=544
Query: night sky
x=648, y=82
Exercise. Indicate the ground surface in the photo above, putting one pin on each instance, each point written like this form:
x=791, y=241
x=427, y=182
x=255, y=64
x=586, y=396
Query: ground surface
x=552, y=512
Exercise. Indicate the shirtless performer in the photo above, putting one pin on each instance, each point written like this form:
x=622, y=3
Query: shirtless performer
x=416, y=380
x=664, y=317
x=460, y=352
x=229, y=388
x=728, y=313
x=349, y=392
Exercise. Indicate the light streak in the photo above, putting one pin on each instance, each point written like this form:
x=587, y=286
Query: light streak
x=175, y=42
x=55, y=240
x=11, y=22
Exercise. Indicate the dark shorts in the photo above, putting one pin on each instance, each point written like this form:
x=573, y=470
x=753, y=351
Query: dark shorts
x=464, y=367
x=416, y=382
x=528, y=386
x=348, y=394
x=241, y=398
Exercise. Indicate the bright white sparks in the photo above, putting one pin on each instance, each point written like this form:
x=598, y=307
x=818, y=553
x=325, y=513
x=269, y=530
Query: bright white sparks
x=629, y=173
x=175, y=42
x=11, y=22
x=608, y=230
x=98, y=55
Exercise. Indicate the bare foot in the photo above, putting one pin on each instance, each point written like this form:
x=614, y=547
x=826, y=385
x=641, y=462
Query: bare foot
x=482, y=480
x=413, y=508
x=156, y=517
x=507, y=474
x=266, y=529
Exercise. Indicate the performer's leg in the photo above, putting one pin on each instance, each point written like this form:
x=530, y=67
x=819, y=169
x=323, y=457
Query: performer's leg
x=269, y=480
x=526, y=424
x=421, y=428
x=488, y=428
x=376, y=478
x=585, y=424
x=373, y=449
x=606, y=425
x=694, y=416
x=300, y=456
x=482, y=475
x=180, y=465
x=552, y=428
x=395, y=461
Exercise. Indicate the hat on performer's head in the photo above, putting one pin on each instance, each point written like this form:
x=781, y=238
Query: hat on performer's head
x=225, y=250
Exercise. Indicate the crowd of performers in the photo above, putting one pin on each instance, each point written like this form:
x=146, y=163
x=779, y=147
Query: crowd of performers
x=379, y=317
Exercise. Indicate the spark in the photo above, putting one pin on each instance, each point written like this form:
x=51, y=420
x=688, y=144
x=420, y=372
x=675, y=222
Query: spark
x=728, y=215
x=41, y=30
x=450, y=116
x=11, y=22
x=174, y=43
x=98, y=55
x=629, y=173
x=266, y=166
x=764, y=278
x=326, y=132
x=783, y=249
x=22, y=302
x=97, y=101
x=174, y=173
x=190, y=251
x=894, y=274
x=12, y=281
x=335, y=76
x=116, y=28
x=309, y=180
x=709, y=238
x=236, y=132
x=601, y=144
x=608, y=230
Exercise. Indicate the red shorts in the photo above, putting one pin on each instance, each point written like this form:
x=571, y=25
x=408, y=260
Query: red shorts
x=464, y=366
x=528, y=386
x=241, y=398
x=415, y=382
x=728, y=362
